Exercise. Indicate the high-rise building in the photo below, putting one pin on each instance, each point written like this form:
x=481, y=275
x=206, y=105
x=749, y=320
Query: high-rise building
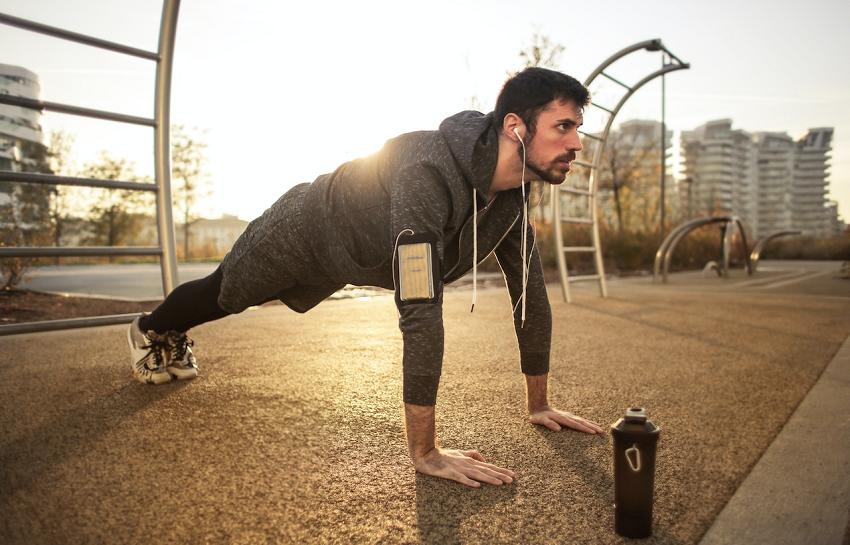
x=811, y=210
x=770, y=181
x=717, y=170
x=18, y=125
x=773, y=182
x=20, y=128
x=24, y=208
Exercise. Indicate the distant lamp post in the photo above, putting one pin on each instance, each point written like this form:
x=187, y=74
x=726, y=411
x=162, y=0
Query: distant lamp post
x=664, y=62
x=655, y=45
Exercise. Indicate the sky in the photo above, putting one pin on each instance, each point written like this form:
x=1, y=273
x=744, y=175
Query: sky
x=288, y=91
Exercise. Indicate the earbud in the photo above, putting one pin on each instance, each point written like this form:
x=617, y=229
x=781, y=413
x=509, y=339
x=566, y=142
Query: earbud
x=516, y=132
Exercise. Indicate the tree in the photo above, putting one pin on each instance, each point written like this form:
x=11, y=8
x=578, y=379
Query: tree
x=542, y=52
x=25, y=218
x=66, y=199
x=191, y=181
x=116, y=214
x=628, y=160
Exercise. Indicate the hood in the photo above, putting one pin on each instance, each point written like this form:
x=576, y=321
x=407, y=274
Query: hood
x=474, y=144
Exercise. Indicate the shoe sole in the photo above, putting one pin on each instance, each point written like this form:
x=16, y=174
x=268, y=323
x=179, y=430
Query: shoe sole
x=155, y=379
x=182, y=374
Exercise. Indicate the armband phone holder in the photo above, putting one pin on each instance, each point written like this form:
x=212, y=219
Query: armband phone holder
x=417, y=269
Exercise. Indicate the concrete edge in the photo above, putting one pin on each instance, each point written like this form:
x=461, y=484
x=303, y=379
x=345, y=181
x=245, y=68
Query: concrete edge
x=799, y=491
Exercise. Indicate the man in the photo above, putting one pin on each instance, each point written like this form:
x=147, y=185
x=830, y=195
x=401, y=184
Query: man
x=418, y=214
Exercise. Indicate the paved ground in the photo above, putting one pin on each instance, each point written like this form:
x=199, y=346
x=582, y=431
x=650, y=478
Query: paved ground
x=132, y=281
x=293, y=432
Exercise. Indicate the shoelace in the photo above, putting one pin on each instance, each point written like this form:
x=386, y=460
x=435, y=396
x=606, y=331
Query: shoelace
x=156, y=349
x=182, y=342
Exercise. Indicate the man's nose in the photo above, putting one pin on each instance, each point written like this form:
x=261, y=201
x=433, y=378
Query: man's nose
x=574, y=143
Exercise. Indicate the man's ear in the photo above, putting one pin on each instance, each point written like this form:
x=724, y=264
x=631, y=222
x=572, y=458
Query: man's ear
x=511, y=123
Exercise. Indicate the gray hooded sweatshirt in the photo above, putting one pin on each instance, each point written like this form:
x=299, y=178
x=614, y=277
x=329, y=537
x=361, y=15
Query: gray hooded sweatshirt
x=343, y=229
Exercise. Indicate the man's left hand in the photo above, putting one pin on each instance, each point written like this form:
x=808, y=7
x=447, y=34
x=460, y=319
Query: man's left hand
x=555, y=420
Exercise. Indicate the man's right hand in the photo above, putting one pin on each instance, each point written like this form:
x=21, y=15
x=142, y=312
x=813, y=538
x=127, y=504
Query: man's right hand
x=464, y=466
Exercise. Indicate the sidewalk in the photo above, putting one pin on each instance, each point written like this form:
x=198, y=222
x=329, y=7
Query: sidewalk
x=293, y=433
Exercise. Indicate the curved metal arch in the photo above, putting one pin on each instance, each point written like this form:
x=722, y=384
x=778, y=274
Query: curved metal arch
x=597, y=155
x=727, y=246
x=755, y=255
x=555, y=191
x=648, y=45
x=665, y=251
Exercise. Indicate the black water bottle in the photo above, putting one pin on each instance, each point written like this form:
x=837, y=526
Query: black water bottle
x=635, y=441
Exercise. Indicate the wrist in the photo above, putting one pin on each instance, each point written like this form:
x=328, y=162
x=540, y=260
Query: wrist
x=538, y=408
x=537, y=398
x=423, y=456
x=421, y=431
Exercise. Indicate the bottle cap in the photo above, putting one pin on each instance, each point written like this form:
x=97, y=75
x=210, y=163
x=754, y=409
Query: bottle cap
x=635, y=414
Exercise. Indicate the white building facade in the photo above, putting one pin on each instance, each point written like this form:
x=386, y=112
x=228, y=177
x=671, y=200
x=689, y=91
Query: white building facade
x=21, y=133
x=770, y=181
x=811, y=211
x=18, y=125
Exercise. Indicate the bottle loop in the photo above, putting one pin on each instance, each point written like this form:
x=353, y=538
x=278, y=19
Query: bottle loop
x=636, y=465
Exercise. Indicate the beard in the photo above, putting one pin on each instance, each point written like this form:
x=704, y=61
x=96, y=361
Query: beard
x=555, y=172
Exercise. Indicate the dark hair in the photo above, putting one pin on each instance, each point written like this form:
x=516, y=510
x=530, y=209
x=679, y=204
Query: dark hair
x=528, y=92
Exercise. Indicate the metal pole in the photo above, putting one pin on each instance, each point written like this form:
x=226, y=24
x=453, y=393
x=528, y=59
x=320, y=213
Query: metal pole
x=663, y=142
x=162, y=145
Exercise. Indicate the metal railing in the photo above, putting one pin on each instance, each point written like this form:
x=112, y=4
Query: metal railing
x=161, y=123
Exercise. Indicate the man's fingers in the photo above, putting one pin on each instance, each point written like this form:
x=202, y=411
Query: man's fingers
x=473, y=454
x=466, y=467
x=580, y=424
x=505, y=475
x=486, y=475
x=544, y=420
x=554, y=420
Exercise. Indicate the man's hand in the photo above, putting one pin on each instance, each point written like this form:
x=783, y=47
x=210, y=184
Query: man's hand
x=464, y=466
x=541, y=413
x=555, y=420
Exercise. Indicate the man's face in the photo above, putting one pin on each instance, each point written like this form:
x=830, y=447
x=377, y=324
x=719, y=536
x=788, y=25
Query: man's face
x=552, y=149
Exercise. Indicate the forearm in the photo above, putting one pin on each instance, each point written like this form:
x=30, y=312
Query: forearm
x=420, y=428
x=536, y=392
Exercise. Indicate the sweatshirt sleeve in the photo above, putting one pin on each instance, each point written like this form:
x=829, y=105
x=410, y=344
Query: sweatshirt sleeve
x=535, y=336
x=421, y=205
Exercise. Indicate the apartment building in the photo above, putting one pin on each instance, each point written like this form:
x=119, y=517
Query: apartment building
x=19, y=127
x=717, y=170
x=768, y=179
x=811, y=210
x=21, y=148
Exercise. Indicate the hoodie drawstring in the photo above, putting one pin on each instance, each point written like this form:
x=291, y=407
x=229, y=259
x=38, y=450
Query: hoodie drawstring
x=474, y=248
x=523, y=247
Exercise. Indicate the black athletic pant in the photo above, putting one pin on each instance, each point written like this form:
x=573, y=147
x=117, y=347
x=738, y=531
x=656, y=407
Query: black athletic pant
x=189, y=305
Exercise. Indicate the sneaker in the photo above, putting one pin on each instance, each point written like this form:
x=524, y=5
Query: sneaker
x=181, y=361
x=148, y=355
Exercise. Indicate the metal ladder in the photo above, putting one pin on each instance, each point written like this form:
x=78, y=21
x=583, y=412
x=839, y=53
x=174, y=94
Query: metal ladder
x=161, y=125
x=591, y=218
